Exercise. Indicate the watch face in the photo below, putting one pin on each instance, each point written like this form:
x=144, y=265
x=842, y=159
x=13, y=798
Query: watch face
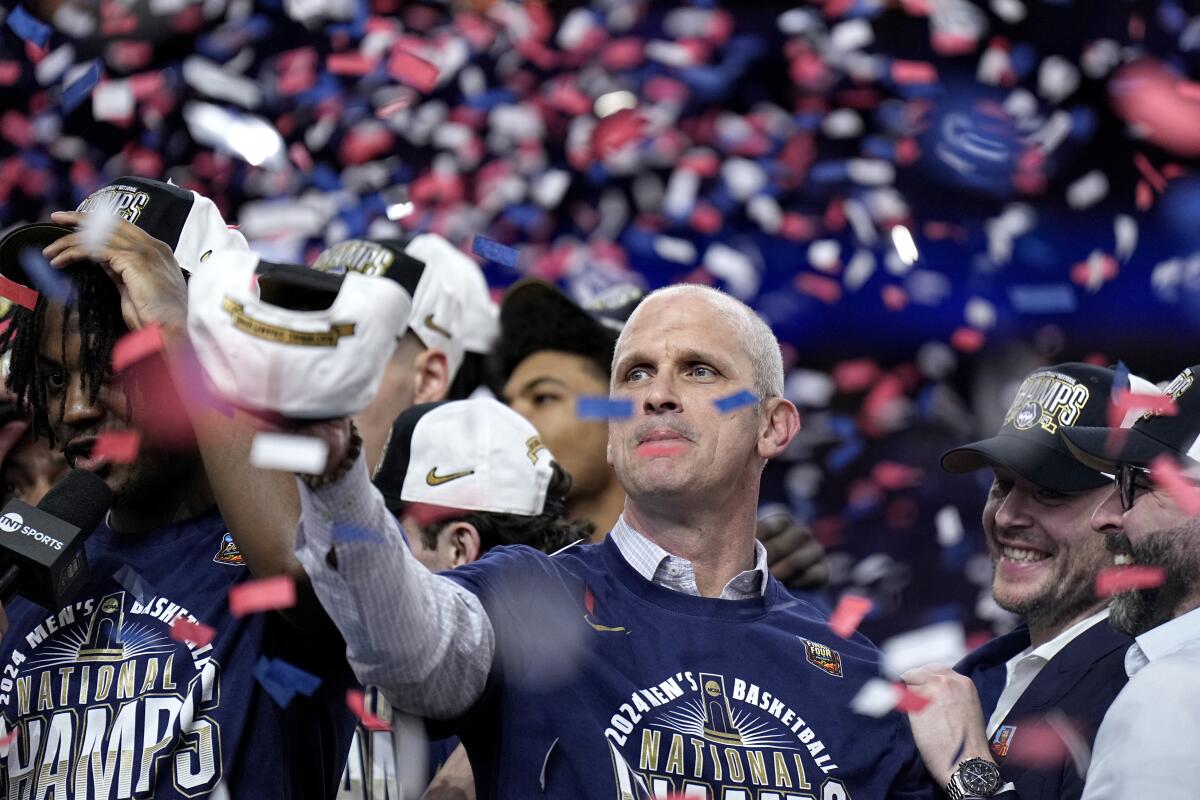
x=978, y=776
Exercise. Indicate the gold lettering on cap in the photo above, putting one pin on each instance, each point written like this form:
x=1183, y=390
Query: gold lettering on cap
x=275, y=333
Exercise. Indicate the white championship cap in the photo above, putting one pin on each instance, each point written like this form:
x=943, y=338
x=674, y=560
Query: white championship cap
x=480, y=316
x=283, y=338
x=474, y=455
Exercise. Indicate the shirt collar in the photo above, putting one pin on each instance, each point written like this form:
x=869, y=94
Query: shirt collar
x=1048, y=650
x=647, y=558
x=1163, y=640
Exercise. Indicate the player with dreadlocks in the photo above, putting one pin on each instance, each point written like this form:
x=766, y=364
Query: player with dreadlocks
x=198, y=707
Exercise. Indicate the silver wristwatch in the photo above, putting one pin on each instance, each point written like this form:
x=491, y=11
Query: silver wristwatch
x=975, y=777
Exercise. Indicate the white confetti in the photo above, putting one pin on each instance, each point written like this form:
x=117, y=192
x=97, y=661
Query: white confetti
x=799, y=20
x=949, y=526
x=611, y=102
x=766, y=211
x=906, y=247
x=825, y=255
x=209, y=78
x=844, y=123
x=94, y=231
x=994, y=65
x=1088, y=190
x=859, y=270
x=290, y=453
x=1057, y=79
x=575, y=28
x=871, y=171
x=733, y=267
x=1125, y=230
x=671, y=248
x=54, y=64
x=1100, y=57
x=860, y=220
x=980, y=313
x=941, y=643
x=936, y=360
x=251, y=138
x=876, y=698
x=809, y=388
x=1011, y=11
x=549, y=188
x=854, y=34
x=112, y=100
x=681, y=193
x=744, y=177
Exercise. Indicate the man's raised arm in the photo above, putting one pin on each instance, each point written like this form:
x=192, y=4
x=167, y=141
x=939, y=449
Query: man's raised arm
x=423, y=640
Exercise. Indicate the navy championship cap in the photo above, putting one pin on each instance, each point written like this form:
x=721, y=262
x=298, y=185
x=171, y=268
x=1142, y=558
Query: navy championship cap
x=536, y=315
x=1050, y=402
x=185, y=221
x=1152, y=433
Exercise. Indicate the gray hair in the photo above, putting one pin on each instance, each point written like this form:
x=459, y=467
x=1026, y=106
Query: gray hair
x=754, y=334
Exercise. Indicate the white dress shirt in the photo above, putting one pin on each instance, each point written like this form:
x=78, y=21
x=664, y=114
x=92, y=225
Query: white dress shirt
x=1147, y=744
x=1022, y=668
x=660, y=567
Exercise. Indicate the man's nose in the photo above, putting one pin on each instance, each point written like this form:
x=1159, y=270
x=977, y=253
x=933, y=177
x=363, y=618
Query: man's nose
x=662, y=395
x=79, y=410
x=1109, y=516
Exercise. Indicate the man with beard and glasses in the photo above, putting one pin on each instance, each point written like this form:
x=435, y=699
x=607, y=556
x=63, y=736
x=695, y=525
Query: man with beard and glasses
x=1064, y=657
x=1148, y=741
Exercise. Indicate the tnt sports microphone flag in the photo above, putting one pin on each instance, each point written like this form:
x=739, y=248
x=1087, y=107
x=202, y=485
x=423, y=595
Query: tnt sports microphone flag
x=286, y=339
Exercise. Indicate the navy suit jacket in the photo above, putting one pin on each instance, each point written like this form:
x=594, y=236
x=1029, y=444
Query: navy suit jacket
x=1081, y=681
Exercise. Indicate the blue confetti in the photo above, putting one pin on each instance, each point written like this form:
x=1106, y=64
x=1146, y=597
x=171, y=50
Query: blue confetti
x=353, y=533
x=28, y=27
x=81, y=89
x=494, y=251
x=283, y=681
x=603, y=408
x=841, y=457
x=49, y=281
x=1047, y=298
x=133, y=583
x=734, y=401
x=1120, y=379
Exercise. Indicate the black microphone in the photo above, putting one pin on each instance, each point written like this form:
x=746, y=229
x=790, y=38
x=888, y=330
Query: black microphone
x=42, y=547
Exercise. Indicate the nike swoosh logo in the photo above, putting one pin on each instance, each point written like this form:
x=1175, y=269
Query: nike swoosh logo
x=433, y=326
x=433, y=479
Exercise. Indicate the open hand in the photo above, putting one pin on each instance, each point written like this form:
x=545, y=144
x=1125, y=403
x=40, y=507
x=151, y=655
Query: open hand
x=144, y=269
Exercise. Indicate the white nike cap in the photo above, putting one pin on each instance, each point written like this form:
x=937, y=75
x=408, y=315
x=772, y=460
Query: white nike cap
x=473, y=455
x=451, y=307
x=285, y=339
x=480, y=316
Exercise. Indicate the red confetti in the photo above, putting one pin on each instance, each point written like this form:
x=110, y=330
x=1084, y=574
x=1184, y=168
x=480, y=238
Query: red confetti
x=10, y=72
x=120, y=447
x=413, y=71
x=616, y=131
x=589, y=600
x=905, y=72
x=21, y=295
x=1114, y=580
x=895, y=298
x=355, y=701
x=856, y=375
x=135, y=346
x=892, y=476
x=349, y=64
x=827, y=290
x=184, y=630
x=849, y=614
x=968, y=340
x=909, y=701
x=268, y=594
x=1152, y=175
x=9, y=739
x=1167, y=476
x=1125, y=401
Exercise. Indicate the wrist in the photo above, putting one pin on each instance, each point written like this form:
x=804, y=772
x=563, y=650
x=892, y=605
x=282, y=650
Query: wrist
x=339, y=470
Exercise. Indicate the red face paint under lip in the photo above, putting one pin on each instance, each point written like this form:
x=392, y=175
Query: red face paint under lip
x=662, y=447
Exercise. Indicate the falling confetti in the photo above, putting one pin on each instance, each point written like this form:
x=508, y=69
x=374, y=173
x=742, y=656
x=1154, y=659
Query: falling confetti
x=267, y=594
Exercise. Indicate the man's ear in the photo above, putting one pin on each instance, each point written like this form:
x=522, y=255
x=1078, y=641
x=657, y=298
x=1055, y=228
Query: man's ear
x=780, y=424
x=431, y=376
x=463, y=541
